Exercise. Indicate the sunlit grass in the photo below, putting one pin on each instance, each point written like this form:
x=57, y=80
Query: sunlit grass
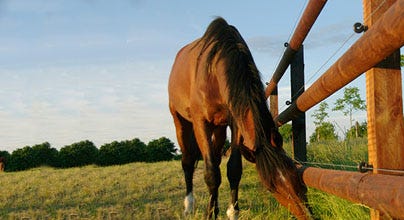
x=156, y=191
x=344, y=155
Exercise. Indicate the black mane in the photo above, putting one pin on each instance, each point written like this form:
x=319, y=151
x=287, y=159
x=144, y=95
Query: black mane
x=246, y=91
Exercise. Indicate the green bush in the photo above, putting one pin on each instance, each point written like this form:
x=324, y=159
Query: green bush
x=21, y=159
x=286, y=132
x=45, y=155
x=78, y=154
x=117, y=153
x=161, y=149
x=357, y=131
x=324, y=132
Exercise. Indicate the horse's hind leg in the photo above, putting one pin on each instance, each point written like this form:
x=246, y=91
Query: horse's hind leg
x=190, y=154
x=218, y=140
x=189, y=159
x=234, y=171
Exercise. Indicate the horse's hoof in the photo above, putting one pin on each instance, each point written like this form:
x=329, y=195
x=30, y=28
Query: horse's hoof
x=189, y=204
x=232, y=213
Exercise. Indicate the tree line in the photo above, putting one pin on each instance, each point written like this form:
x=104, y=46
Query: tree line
x=85, y=153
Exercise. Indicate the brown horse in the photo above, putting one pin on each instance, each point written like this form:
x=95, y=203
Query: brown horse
x=214, y=83
x=2, y=163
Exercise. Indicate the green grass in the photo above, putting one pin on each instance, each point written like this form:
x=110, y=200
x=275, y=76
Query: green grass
x=155, y=191
x=345, y=155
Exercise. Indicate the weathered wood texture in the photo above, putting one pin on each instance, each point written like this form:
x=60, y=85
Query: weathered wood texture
x=378, y=191
x=273, y=103
x=384, y=101
x=310, y=14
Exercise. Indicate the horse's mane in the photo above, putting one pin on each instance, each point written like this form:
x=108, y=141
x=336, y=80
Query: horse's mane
x=243, y=78
x=246, y=91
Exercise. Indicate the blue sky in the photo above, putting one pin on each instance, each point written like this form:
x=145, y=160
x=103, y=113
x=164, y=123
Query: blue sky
x=73, y=70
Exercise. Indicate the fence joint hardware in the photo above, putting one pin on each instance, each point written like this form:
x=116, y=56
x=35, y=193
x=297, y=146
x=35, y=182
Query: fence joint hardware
x=364, y=167
x=359, y=27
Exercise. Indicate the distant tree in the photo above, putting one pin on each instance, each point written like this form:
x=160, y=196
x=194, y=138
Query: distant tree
x=4, y=154
x=402, y=60
x=320, y=114
x=324, y=130
x=286, y=132
x=139, y=150
x=161, y=149
x=78, y=154
x=21, y=159
x=121, y=152
x=358, y=130
x=31, y=157
x=350, y=102
x=44, y=154
x=107, y=154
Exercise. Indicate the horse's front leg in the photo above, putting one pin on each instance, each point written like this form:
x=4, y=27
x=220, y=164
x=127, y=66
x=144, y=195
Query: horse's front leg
x=205, y=137
x=234, y=171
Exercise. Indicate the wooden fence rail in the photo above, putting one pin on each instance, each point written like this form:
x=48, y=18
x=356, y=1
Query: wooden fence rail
x=381, y=192
x=381, y=40
x=307, y=20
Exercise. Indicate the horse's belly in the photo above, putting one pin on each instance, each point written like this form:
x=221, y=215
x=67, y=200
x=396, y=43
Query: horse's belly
x=218, y=115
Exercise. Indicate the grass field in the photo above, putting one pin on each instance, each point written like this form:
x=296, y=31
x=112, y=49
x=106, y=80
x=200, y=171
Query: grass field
x=156, y=191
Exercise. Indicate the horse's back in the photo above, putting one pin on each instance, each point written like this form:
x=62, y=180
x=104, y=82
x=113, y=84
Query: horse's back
x=182, y=79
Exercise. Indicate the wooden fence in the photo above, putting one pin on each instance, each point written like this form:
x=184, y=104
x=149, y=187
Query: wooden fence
x=378, y=53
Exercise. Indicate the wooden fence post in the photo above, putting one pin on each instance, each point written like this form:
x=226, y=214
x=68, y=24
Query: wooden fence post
x=298, y=124
x=384, y=105
x=273, y=102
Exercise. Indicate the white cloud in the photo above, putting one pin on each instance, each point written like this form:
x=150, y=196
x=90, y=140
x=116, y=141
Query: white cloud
x=100, y=103
x=267, y=44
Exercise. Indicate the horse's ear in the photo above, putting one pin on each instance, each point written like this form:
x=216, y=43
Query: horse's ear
x=276, y=138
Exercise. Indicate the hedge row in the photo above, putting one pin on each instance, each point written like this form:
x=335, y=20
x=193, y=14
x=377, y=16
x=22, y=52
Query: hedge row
x=85, y=153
